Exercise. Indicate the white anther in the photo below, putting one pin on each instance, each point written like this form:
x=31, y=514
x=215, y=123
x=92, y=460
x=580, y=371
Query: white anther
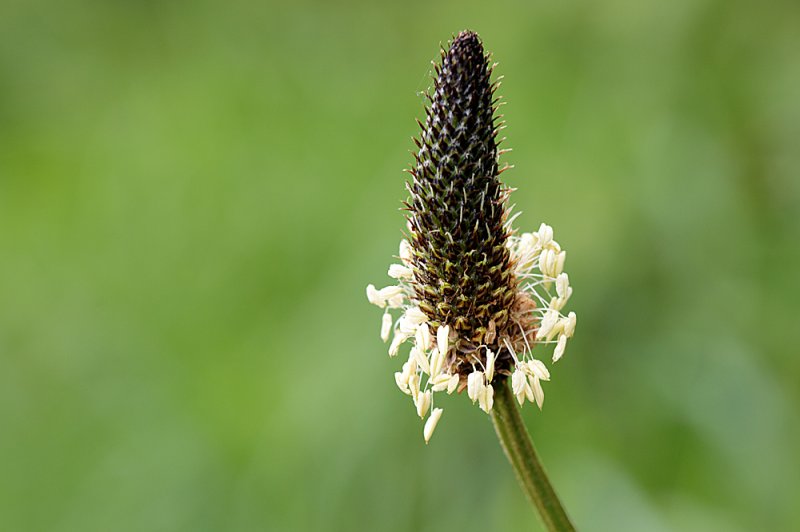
x=398, y=271
x=423, y=337
x=569, y=324
x=558, y=352
x=386, y=326
x=490, y=358
x=443, y=339
x=474, y=385
x=538, y=369
x=423, y=402
x=430, y=425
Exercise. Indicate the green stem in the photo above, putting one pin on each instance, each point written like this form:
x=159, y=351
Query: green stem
x=519, y=449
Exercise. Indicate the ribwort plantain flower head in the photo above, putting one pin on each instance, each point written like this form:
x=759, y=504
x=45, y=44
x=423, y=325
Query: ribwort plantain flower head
x=473, y=297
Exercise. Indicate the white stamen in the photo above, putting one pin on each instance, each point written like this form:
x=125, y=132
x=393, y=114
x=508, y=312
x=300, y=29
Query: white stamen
x=395, y=301
x=442, y=338
x=490, y=357
x=452, y=384
x=399, y=338
x=559, y=266
x=474, y=385
x=423, y=402
x=558, y=352
x=440, y=382
x=549, y=321
x=537, y=368
x=410, y=368
x=374, y=296
x=518, y=384
x=486, y=399
x=398, y=271
x=430, y=425
x=421, y=359
x=569, y=324
x=538, y=393
x=411, y=320
x=545, y=234
x=423, y=337
x=390, y=291
x=386, y=326
x=548, y=262
x=563, y=289
x=437, y=360
x=402, y=381
x=413, y=386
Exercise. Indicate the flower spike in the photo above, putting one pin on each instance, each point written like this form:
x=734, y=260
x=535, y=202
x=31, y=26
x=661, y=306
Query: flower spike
x=476, y=296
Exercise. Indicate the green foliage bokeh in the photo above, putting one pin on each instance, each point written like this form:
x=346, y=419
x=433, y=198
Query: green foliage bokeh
x=193, y=196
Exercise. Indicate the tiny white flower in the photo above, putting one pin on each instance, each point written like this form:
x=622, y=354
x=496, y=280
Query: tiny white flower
x=374, y=296
x=437, y=360
x=518, y=380
x=558, y=352
x=548, y=323
x=423, y=337
x=416, y=315
x=390, y=291
x=452, y=384
x=545, y=235
x=490, y=358
x=486, y=399
x=551, y=262
x=529, y=241
x=423, y=402
x=386, y=326
x=399, y=338
x=402, y=381
x=562, y=286
x=557, y=303
x=559, y=267
x=443, y=338
x=413, y=386
x=411, y=320
x=520, y=387
x=474, y=385
x=538, y=393
x=395, y=301
x=547, y=262
x=412, y=363
x=393, y=295
x=406, y=326
x=537, y=368
x=398, y=271
x=440, y=382
x=569, y=324
x=529, y=393
x=421, y=359
x=526, y=251
x=430, y=425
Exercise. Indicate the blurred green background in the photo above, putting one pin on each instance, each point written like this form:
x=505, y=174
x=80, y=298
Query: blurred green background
x=193, y=196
